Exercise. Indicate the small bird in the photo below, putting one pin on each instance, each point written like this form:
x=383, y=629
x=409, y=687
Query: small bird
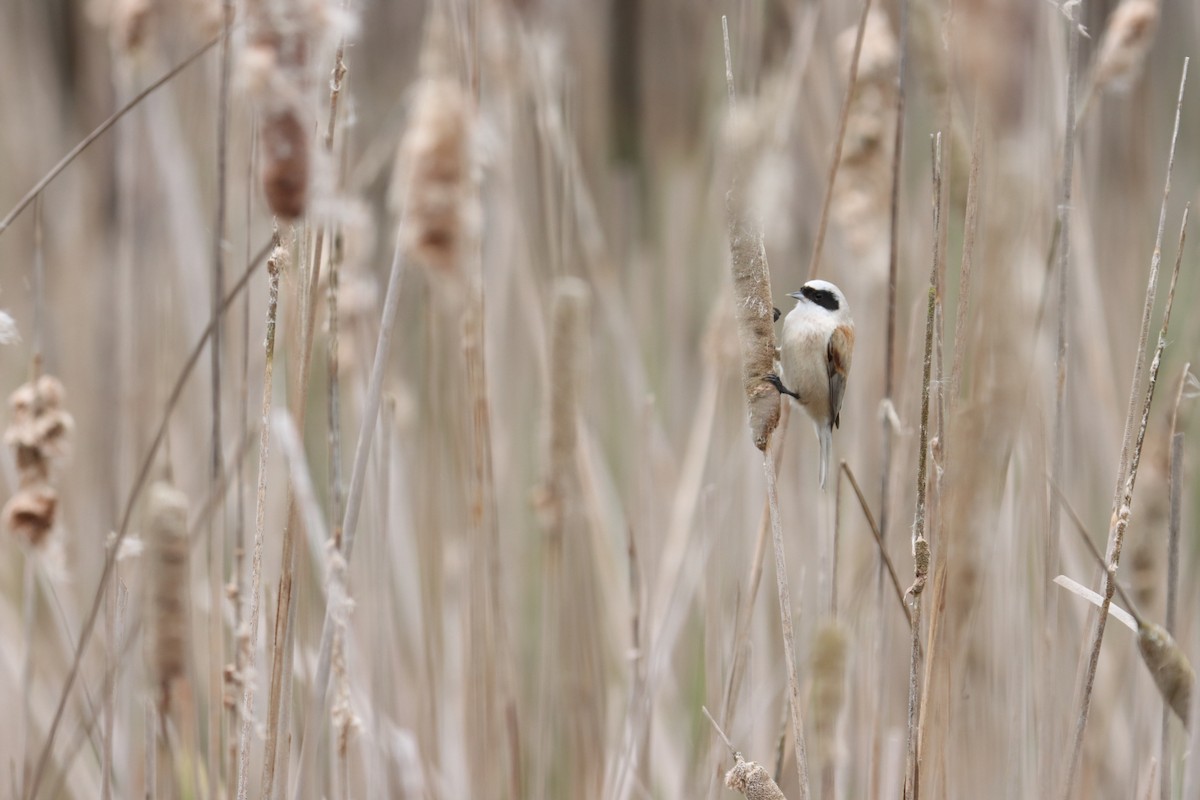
x=815, y=351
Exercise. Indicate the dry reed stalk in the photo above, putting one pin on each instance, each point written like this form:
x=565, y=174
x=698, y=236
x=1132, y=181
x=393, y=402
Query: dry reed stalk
x=1164, y=658
x=745, y=609
x=1174, y=525
x=883, y=555
x=835, y=160
x=1122, y=495
x=248, y=626
x=785, y=614
x=970, y=230
x=889, y=367
x=216, y=556
x=288, y=177
x=888, y=417
x=753, y=311
x=920, y=542
x=99, y=131
x=308, y=328
x=1063, y=228
x=358, y=472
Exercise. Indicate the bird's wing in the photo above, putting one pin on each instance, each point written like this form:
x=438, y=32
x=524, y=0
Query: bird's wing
x=837, y=364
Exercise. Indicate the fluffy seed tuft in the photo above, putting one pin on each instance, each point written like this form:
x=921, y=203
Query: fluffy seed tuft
x=752, y=780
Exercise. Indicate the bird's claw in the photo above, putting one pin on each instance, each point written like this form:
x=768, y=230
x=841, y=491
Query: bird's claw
x=774, y=380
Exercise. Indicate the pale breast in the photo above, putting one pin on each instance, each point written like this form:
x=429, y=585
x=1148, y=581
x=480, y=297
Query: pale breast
x=802, y=357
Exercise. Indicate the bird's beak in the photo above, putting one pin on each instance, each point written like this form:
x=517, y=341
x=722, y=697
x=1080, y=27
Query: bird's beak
x=796, y=295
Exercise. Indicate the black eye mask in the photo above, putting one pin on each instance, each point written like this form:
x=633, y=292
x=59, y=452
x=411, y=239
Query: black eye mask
x=822, y=297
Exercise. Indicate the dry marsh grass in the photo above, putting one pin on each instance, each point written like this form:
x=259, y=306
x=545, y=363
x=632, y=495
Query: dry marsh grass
x=387, y=413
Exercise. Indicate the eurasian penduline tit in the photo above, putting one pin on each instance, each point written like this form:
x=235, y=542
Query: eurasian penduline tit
x=814, y=352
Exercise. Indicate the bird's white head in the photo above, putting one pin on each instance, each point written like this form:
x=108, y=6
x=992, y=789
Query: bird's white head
x=822, y=296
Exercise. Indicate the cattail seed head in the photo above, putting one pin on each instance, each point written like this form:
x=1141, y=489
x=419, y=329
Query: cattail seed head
x=1172, y=672
x=1127, y=38
x=285, y=163
x=38, y=432
x=829, y=681
x=29, y=514
x=752, y=780
x=433, y=183
x=167, y=541
x=753, y=307
x=131, y=23
x=567, y=361
x=39, y=429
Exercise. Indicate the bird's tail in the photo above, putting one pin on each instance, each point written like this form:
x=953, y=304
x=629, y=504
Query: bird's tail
x=825, y=435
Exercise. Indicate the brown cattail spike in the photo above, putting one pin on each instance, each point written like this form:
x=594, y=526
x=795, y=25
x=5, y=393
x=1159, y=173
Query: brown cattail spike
x=753, y=308
x=1172, y=672
x=285, y=163
x=167, y=542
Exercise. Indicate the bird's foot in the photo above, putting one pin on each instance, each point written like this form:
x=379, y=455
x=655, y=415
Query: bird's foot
x=774, y=380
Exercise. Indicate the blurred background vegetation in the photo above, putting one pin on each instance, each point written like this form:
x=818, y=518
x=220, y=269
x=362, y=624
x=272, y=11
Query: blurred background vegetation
x=559, y=524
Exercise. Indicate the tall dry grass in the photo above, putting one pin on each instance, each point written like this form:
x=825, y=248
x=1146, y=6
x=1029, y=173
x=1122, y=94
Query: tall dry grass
x=472, y=505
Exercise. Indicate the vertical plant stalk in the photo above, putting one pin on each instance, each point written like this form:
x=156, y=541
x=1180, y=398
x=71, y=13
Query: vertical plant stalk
x=285, y=615
x=785, y=618
x=29, y=567
x=1173, y=528
x=887, y=409
x=753, y=311
x=745, y=609
x=920, y=540
x=1058, y=457
x=889, y=358
x=249, y=622
x=970, y=229
x=362, y=451
x=836, y=158
x=216, y=537
x=484, y=516
x=336, y=79
x=1123, y=494
x=238, y=582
